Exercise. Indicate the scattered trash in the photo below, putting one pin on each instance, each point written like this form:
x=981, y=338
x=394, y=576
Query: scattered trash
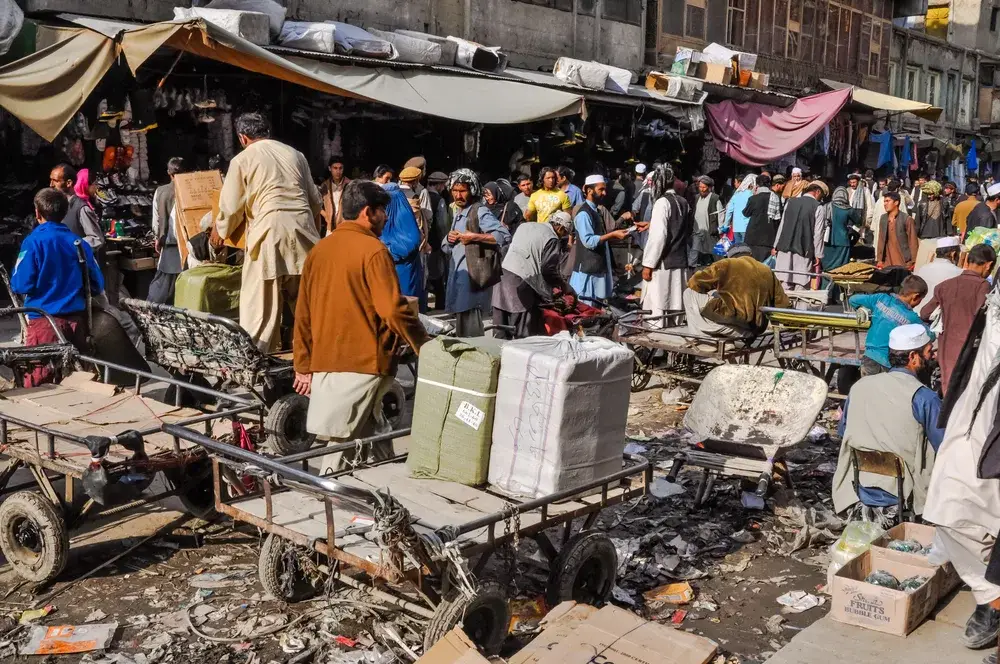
x=661, y=488
x=752, y=501
x=95, y=615
x=827, y=467
x=525, y=614
x=798, y=601
x=160, y=640
x=35, y=614
x=635, y=448
x=675, y=397
x=672, y=593
x=68, y=639
x=207, y=580
x=817, y=434
x=678, y=617
x=622, y=596
x=743, y=537
x=774, y=623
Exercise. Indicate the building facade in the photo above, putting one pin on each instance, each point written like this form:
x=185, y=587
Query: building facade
x=797, y=41
x=533, y=33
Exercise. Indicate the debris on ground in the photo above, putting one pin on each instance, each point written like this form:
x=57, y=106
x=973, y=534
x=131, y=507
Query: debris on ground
x=798, y=601
x=68, y=639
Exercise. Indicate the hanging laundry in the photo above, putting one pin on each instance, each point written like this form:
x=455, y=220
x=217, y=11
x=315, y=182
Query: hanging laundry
x=972, y=159
x=904, y=162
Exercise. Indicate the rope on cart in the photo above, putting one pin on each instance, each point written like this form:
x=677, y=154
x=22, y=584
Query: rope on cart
x=512, y=533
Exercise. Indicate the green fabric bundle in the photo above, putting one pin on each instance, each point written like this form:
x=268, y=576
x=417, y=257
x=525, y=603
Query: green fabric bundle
x=453, y=410
x=212, y=288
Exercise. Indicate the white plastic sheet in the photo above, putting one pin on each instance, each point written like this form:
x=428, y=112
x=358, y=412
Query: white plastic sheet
x=309, y=36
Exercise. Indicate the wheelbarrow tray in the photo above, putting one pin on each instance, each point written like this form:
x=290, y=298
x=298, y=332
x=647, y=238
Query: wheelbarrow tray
x=746, y=407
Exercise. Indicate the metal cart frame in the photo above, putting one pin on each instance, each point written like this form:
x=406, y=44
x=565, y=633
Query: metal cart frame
x=433, y=581
x=58, y=513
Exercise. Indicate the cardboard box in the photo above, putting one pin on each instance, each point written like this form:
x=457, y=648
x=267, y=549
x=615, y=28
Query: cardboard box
x=714, y=73
x=197, y=193
x=925, y=535
x=882, y=609
x=759, y=80
x=676, y=87
x=454, y=648
x=619, y=636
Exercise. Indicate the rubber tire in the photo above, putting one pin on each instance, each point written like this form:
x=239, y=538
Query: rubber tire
x=195, y=487
x=269, y=568
x=490, y=600
x=393, y=403
x=641, y=380
x=587, y=553
x=52, y=528
x=285, y=425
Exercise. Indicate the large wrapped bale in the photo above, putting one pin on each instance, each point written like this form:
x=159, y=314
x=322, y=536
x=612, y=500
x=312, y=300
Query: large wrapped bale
x=562, y=405
x=253, y=26
x=212, y=288
x=411, y=49
x=453, y=410
x=309, y=36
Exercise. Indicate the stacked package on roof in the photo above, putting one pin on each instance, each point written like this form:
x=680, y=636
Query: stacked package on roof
x=352, y=40
x=471, y=55
x=252, y=26
x=561, y=408
x=592, y=75
x=453, y=409
x=309, y=36
x=411, y=49
x=275, y=13
x=449, y=48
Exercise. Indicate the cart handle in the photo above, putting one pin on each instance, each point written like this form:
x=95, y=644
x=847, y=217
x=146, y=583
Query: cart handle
x=271, y=465
x=342, y=447
x=8, y=311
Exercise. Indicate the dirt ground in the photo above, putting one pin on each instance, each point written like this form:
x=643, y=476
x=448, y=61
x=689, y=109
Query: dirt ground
x=736, y=559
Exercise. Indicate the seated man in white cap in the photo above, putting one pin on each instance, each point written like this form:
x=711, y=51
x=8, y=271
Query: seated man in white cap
x=891, y=412
x=591, y=277
x=725, y=298
x=942, y=268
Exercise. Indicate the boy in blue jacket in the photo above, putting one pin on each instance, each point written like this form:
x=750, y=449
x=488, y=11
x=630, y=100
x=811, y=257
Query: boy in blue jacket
x=49, y=275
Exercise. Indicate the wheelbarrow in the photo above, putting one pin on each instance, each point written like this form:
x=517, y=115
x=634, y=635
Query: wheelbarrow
x=744, y=419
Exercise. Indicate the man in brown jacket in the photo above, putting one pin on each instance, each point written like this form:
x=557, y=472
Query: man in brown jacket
x=725, y=298
x=350, y=320
x=898, y=243
x=331, y=191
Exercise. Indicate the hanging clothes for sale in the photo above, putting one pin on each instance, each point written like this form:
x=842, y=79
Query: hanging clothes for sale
x=905, y=158
x=885, y=153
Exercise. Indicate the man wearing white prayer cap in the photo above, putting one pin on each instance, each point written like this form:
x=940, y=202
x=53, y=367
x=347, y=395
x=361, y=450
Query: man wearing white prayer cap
x=984, y=215
x=943, y=267
x=591, y=277
x=640, y=169
x=891, y=412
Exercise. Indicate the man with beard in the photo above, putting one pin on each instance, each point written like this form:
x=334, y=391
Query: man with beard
x=960, y=299
x=764, y=209
x=891, y=412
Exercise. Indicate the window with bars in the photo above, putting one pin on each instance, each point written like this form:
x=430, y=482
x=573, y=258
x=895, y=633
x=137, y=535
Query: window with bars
x=779, y=43
x=694, y=19
x=832, y=35
x=951, y=100
x=623, y=11
x=736, y=22
x=564, y=5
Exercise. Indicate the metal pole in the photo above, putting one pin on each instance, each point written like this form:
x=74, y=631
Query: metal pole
x=342, y=447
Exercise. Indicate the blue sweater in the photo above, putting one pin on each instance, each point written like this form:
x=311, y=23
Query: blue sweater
x=48, y=272
x=888, y=313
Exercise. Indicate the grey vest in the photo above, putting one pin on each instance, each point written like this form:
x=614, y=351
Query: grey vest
x=880, y=419
x=72, y=218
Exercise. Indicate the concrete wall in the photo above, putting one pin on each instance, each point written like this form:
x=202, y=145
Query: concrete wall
x=969, y=25
x=532, y=36
x=929, y=55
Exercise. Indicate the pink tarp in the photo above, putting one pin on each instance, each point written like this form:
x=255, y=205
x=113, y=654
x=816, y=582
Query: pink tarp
x=757, y=134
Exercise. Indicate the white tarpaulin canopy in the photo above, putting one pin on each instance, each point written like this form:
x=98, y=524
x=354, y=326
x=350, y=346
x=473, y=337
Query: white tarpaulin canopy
x=45, y=89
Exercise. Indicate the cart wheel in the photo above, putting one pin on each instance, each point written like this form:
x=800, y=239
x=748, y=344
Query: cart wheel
x=33, y=536
x=194, y=487
x=392, y=404
x=286, y=425
x=283, y=571
x=485, y=618
x=585, y=571
x=640, y=368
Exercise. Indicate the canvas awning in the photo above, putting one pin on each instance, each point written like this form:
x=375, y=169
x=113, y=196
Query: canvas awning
x=884, y=102
x=45, y=89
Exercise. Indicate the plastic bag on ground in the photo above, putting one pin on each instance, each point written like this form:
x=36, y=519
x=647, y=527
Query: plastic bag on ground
x=855, y=540
x=275, y=12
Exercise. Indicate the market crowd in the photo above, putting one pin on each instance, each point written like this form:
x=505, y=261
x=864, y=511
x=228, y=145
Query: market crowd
x=342, y=270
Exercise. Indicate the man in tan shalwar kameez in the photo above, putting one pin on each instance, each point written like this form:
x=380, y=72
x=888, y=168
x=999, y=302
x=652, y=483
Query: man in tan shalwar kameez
x=269, y=196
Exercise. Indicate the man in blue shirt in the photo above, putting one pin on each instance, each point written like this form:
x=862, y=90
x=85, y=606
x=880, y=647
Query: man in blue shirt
x=566, y=174
x=888, y=311
x=49, y=275
x=591, y=277
x=891, y=412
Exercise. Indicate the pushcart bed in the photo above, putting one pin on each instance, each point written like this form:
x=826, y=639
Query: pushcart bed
x=436, y=503
x=82, y=409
